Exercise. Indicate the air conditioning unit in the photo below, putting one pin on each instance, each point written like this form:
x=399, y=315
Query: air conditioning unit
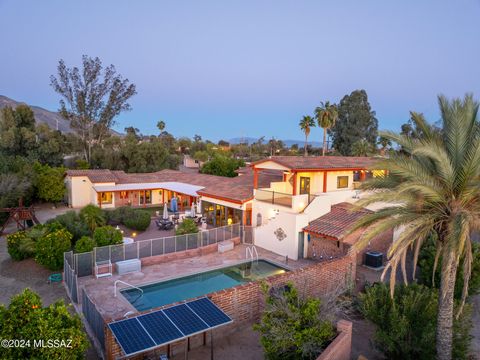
x=374, y=259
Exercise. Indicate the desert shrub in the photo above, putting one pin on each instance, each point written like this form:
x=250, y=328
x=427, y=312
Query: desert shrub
x=84, y=244
x=107, y=235
x=20, y=245
x=26, y=319
x=92, y=216
x=427, y=259
x=49, y=249
x=138, y=220
x=406, y=324
x=292, y=327
x=188, y=226
x=72, y=222
x=119, y=215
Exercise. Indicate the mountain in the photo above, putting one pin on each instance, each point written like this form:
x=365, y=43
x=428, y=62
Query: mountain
x=42, y=115
x=287, y=142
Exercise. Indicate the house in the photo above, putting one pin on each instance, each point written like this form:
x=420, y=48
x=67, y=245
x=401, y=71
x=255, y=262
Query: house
x=279, y=197
x=191, y=163
x=222, y=200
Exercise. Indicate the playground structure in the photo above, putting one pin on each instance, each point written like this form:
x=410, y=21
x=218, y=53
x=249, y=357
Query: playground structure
x=24, y=216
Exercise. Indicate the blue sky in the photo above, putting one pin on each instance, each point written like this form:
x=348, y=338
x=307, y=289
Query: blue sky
x=225, y=69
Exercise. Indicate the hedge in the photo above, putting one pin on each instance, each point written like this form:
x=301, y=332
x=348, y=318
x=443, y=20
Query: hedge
x=138, y=220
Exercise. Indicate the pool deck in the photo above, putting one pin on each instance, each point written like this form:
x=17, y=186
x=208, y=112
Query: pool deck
x=101, y=291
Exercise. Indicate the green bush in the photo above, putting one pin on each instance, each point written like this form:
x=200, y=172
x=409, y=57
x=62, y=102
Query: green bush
x=427, y=259
x=138, y=220
x=406, y=324
x=92, y=216
x=84, y=244
x=291, y=326
x=26, y=319
x=119, y=215
x=49, y=249
x=188, y=226
x=107, y=235
x=74, y=224
x=20, y=245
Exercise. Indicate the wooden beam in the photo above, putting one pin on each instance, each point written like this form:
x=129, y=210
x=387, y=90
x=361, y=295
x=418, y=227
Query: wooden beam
x=255, y=178
x=325, y=181
x=294, y=191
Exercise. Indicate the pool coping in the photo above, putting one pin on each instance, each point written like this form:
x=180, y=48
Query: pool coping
x=272, y=262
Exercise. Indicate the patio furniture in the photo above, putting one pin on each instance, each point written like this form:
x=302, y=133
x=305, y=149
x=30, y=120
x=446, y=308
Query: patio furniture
x=164, y=224
x=54, y=278
x=128, y=266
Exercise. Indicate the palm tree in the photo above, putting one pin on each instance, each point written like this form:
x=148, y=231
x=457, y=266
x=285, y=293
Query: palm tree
x=384, y=143
x=362, y=148
x=432, y=188
x=161, y=125
x=326, y=115
x=306, y=124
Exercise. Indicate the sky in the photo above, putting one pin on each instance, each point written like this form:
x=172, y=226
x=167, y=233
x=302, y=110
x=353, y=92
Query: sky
x=250, y=68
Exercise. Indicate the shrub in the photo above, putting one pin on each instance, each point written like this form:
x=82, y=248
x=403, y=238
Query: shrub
x=84, y=244
x=49, y=249
x=107, y=235
x=188, y=226
x=72, y=222
x=119, y=215
x=427, y=259
x=291, y=326
x=20, y=245
x=92, y=216
x=138, y=220
x=26, y=319
x=49, y=182
x=406, y=324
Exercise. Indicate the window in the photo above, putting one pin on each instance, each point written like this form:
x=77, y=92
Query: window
x=342, y=182
x=148, y=197
x=106, y=197
x=123, y=195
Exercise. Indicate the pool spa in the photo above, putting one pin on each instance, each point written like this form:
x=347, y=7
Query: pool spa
x=170, y=291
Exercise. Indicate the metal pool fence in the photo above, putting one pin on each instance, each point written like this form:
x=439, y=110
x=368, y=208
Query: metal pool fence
x=94, y=319
x=84, y=263
x=70, y=277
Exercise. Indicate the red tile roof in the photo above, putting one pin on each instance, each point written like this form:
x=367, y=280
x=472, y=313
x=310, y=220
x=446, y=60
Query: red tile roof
x=337, y=223
x=320, y=162
x=238, y=189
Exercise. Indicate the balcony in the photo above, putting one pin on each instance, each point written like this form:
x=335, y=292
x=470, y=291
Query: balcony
x=274, y=197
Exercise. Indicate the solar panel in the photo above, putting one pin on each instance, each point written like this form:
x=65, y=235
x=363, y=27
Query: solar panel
x=131, y=336
x=209, y=312
x=185, y=319
x=160, y=328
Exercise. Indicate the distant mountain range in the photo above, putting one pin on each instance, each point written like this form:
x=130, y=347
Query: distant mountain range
x=52, y=119
x=287, y=142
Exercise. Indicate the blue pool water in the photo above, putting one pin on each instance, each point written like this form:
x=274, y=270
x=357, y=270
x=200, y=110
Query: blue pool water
x=188, y=287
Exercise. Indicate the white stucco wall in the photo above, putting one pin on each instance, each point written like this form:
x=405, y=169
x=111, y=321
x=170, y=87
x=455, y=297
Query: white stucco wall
x=79, y=191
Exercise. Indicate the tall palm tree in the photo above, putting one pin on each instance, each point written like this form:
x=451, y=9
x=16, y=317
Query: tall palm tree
x=432, y=187
x=384, y=143
x=326, y=115
x=362, y=148
x=306, y=124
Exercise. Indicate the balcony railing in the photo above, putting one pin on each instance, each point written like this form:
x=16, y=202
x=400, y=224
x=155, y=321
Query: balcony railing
x=274, y=197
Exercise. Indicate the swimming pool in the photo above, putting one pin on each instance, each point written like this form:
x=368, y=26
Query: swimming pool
x=167, y=292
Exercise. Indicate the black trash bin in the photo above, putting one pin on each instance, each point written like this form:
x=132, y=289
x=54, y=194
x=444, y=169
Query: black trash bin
x=374, y=259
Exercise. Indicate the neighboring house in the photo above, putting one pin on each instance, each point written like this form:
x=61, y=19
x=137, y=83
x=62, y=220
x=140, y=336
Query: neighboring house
x=191, y=163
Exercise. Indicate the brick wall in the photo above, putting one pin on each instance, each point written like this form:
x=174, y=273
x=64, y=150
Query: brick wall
x=341, y=347
x=244, y=303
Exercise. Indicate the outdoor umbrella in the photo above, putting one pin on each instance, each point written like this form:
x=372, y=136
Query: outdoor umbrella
x=174, y=205
x=165, y=211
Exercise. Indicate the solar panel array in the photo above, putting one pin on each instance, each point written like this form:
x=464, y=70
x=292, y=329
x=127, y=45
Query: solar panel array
x=162, y=327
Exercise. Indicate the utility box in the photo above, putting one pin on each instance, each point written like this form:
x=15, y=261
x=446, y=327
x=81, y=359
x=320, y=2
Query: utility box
x=374, y=259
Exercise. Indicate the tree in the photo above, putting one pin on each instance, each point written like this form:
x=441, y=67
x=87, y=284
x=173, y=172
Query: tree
x=17, y=130
x=197, y=138
x=161, y=126
x=291, y=326
x=305, y=124
x=432, y=188
x=223, y=143
x=92, y=216
x=49, y=248
x=107, y=235
x=222, y=166
x=362, y=148
x=326, y=115
x=91, y=98
x=356, y=121
x=49, y=182
x=385, y=143
x=25, y=318
x=188, y=226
